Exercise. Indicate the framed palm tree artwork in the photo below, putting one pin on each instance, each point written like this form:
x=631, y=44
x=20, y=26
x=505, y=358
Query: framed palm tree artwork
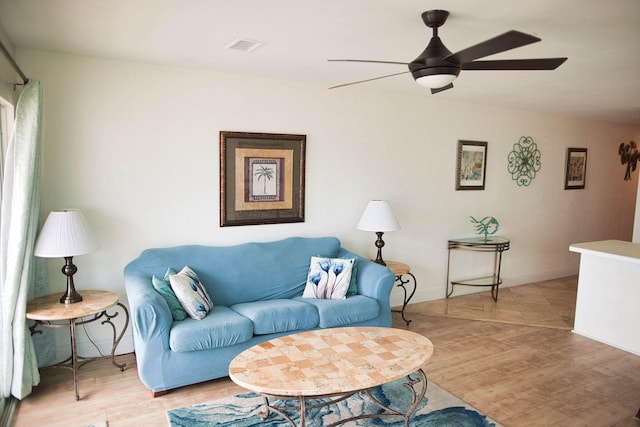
x=261, y=178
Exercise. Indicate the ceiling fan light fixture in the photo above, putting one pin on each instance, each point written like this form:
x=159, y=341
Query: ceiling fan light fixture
x=435, y=77
x=436, y=81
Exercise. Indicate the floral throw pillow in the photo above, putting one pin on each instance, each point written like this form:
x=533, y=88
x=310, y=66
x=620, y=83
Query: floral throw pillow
x=328, y=278
x=191, y=293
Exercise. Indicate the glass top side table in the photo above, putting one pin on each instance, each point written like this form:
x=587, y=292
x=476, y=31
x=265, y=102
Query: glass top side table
x=495, y=244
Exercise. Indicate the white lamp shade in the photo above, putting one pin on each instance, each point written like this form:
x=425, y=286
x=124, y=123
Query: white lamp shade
x=436, y=81
x=378, y=216
x=64, y=234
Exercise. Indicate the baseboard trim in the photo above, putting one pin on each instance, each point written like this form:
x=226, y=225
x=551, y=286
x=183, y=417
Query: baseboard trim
x=434, y=293
x=525, y=279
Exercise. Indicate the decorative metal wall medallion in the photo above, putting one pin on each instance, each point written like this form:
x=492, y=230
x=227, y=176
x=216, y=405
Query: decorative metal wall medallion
x=524, y=161
x=629, y=155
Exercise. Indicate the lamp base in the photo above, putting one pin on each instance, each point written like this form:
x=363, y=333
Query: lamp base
x=379, y=245
x=71, y=296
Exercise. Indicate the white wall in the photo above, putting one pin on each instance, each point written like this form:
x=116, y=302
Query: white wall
x=136, y=147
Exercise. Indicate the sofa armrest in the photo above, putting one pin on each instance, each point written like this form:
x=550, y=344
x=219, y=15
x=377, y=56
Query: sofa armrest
x=374, y=280
x=150, y=314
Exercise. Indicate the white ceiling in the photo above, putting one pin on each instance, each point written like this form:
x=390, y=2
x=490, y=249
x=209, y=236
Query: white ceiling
x=599, y=80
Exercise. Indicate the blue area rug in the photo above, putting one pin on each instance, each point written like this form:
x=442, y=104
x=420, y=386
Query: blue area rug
x=439, y=408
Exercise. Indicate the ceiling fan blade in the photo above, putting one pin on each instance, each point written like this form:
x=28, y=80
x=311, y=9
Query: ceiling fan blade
x=368, y=60
x=440, y=89
x=515, y=64
x=507, y=41
x=368, y=80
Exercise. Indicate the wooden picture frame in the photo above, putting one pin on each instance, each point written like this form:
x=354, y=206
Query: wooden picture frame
x=575, y=173
x=471, y=165
x=262, y=178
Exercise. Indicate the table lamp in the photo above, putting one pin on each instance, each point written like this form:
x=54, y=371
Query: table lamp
x=378, y=217
x=66, y=234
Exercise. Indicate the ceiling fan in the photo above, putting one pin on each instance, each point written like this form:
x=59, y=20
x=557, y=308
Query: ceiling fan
x=437, y=68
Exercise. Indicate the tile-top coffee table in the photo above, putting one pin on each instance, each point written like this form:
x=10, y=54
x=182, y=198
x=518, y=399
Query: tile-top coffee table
x=333, y=364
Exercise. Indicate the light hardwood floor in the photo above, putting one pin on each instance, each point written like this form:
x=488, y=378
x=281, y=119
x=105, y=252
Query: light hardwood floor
x=518, y=374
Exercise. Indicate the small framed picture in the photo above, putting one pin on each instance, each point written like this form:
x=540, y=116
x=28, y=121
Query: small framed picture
x=261, y=178
x=471, y=165
x=576, y=170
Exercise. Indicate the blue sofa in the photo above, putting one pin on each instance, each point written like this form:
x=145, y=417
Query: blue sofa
x=256, y=290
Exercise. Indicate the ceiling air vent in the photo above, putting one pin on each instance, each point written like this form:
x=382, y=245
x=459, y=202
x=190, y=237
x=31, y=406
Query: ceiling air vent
x=244, y=45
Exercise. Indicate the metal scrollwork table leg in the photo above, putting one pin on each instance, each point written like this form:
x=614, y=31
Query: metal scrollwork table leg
x=417, y=378
x=403, y=277
x=401, y=281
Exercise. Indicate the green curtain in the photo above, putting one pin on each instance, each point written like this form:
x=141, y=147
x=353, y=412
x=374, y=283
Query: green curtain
x=19, y=218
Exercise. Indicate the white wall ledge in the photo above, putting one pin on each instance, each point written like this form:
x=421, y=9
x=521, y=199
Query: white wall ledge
x=616, y=249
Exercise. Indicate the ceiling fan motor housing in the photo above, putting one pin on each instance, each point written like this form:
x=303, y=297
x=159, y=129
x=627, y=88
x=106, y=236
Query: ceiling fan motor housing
x=431, y=61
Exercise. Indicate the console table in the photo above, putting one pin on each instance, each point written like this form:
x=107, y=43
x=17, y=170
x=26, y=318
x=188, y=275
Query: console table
x=495, y=244
x=48, y=312
x=403, y=277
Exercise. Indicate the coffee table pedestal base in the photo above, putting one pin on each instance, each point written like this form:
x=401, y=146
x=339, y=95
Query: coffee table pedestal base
x=303, y=405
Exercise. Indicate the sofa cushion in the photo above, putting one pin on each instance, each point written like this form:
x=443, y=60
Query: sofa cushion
x=163, y=287
x=334, y=313
x=222, y=327
x=191, y=293
x=328, y=278
x=279, y=315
